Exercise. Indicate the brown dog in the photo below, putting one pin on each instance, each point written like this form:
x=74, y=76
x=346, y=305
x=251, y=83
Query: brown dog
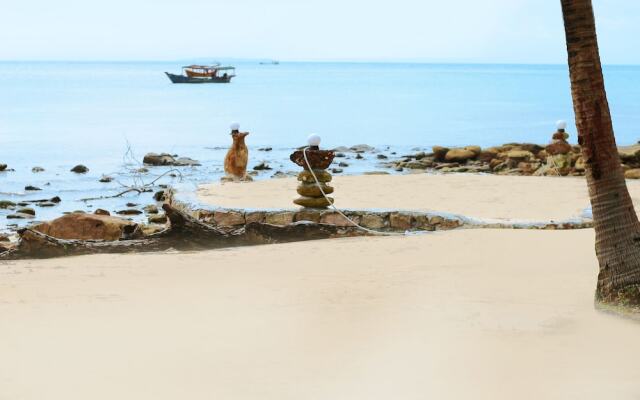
x=235, y=162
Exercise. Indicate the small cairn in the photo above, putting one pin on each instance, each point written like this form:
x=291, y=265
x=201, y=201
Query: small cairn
x=310, y=194
x=559, y=158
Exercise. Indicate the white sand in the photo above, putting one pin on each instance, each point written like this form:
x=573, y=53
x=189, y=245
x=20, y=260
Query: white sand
x=466, y=314
x=479, y=196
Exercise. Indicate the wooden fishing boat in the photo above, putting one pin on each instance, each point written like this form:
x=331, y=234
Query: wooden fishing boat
x=203, y=74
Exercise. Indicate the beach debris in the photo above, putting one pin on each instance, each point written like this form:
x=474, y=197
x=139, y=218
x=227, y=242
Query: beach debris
x=166, y=159
x=263, y=166
x=80, y=169
x=31, y=188
x=35, y=170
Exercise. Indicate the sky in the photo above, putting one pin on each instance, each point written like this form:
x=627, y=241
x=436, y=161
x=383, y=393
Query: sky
x=467, y=31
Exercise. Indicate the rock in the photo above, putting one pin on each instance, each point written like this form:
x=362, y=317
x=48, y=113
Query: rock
x=132, y=204
x=265, y=149
x=558, y=148
x=381, y=157
x=439, y=152
x=400, y=221
x=151, y=209
x=19, y=216
x=161, y=159
x=580, y=165
x=46, y=204
x=87, y=227
x=129, y=211
x=262, y=167
x=254, y=216
x=157, y=219
x=488, y=154
x=160, y=195
x=101, y=211
x=307, y=215
x=312, y=190
x=343, y=164
x=519, y=155
x=313, y=202
x=340, y=155
x=55, y=199
x=361, y=148
x=26, y=210
x=336, y=219
x=3, y=167
x=5, y=204
x=279, y=174
x=372, y=221
x=4, y=238
x=359, y=157
x=35, y=170
x=105, y=179
x=80, y=169
x=560, y=135
x=281, y=218
x=341, y=149
x=632, y=173
x=31, y=188
x=322, y=175
x=474, y=149
x=142, y=170
x=415, y=165
x=459, y=155
x=336, y=170
x=228, y=218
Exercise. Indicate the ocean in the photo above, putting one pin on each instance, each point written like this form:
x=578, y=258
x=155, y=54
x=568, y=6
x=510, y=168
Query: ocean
x=107, y=115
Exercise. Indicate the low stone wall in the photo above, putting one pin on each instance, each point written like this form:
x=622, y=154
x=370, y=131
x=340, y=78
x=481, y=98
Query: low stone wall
x=383, y=221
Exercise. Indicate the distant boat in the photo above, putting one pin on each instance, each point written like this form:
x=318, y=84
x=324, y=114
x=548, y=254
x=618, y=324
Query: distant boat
x=272, y=62
x=204, y=74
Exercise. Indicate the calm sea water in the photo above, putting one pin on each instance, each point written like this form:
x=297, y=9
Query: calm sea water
x=58, y=114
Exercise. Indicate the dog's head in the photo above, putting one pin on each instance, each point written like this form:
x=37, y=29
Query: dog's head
x=238, y=134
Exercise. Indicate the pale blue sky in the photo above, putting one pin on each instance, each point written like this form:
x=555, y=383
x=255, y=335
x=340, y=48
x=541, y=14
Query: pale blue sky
x=493, y=31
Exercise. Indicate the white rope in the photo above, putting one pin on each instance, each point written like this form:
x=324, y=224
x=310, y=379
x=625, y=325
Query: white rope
x=306, y=160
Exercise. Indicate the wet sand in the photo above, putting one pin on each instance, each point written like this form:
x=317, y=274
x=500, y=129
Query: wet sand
x=464, y=314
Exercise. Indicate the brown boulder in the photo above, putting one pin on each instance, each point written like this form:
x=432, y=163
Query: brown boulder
x=632, y=173
x=439, y=152
x=87, y=227
x=459, y=155
x=558, y=148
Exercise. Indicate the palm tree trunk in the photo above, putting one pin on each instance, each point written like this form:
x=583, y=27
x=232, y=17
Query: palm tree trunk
x=616, y=224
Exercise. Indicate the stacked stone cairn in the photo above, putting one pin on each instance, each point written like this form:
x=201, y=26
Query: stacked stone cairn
x=559, y=157
x=319, y=160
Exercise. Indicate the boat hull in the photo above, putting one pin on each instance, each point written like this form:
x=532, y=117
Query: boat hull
x=185, y=79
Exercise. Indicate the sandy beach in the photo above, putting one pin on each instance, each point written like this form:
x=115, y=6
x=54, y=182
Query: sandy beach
x=510, y=316
x=471, y=195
